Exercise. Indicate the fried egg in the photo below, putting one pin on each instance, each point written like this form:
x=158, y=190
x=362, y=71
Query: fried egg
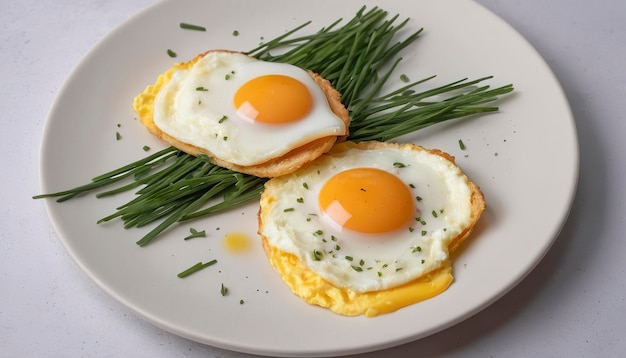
x=242, y=111
x=368, y=228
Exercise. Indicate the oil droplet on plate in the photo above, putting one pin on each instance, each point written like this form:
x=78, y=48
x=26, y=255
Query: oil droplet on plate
x=237, y=242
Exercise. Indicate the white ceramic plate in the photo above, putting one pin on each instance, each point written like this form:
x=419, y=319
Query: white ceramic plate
x=525, y=158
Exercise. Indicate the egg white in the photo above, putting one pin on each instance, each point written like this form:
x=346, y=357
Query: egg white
x=294, y=223
x=196, y=107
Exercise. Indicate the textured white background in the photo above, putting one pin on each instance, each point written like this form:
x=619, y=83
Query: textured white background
x=572, y=304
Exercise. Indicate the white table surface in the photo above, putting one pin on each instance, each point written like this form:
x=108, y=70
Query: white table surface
x=572, y=305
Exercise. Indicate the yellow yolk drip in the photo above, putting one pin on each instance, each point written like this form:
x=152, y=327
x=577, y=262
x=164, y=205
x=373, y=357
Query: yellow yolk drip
x=367, y=200
x=237, y=242
x=273, y=99
x=316, y=291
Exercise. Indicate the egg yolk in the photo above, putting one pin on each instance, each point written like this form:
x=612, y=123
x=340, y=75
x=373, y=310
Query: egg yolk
x=273, y=99
x=367, y=200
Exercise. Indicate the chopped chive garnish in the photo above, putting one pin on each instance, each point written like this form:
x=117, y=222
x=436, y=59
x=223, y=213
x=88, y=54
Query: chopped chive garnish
x=146, y=148
x=195, y=233
x=357, y=268
x=337, y=247
x=412, y=186
x=288, y=210
x=187, y=26
x=224, y=117
x=411, y=229
x=201, y=89
x=349, y=258
x=195, y=268
x=434, y=213
x=305, y=185
x=423, y=260
x=380, y=273
x=424, y=232
x=461, y=144
x=235, y=33
x=300, y=200
x=418, y=198
x=118, y=136
x=404, y=78
x=241, y=302
x=223, y=290
x=317, y=255
x=171, y=53
x=399, y=165
x=318, y=232
x=332, y=237
x=361, y=262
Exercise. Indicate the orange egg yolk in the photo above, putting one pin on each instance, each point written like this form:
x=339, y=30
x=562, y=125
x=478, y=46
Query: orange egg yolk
x=273, y=99
x=367, y=200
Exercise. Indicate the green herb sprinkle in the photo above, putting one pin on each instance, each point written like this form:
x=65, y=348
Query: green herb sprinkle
x=187, y=26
